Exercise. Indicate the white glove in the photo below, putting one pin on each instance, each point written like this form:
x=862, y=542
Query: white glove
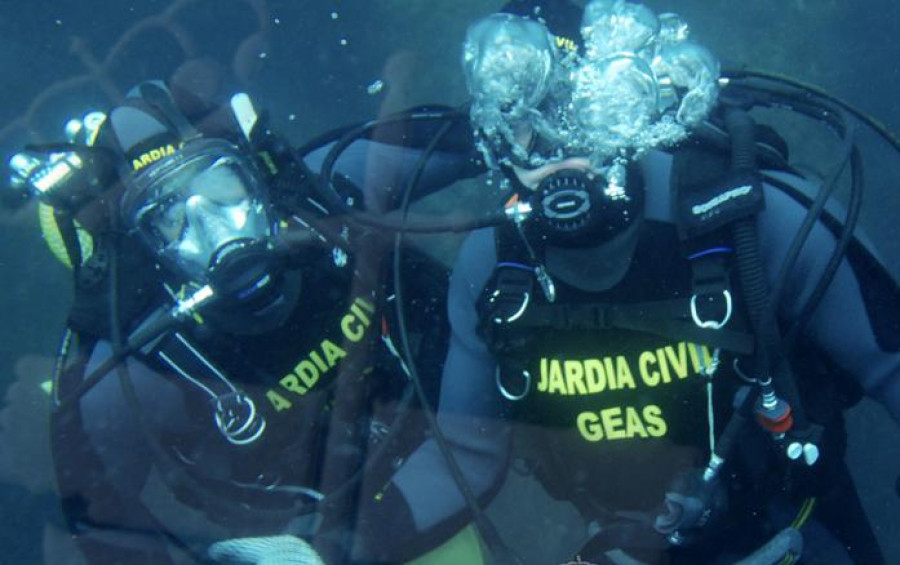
x=272, y=550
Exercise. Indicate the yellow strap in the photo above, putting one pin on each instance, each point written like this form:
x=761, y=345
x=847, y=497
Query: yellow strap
x=54, y=239
x=806, y=510
x=463, y=548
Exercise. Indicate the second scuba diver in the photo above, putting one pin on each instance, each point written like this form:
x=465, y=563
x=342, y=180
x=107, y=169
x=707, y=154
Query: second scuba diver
x=229, y=385
x=670, y=322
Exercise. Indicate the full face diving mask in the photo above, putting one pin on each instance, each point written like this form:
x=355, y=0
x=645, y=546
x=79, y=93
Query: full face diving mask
x=204, y=214
x=637, y=84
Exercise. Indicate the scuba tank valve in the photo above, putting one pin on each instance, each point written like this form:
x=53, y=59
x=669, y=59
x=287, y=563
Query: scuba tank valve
x=63, y=175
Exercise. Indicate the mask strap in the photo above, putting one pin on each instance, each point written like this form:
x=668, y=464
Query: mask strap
x=161, y=98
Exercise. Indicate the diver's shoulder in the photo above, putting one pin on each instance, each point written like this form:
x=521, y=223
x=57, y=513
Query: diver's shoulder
x=789, y=196
x=656, y=170
x=479, y=249
x=477, y=258
x=782, y=189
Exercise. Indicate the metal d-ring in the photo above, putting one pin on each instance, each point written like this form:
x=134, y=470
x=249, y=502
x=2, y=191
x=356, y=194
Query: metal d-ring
x=506, y=393
x=249, y=427
x=712, y=324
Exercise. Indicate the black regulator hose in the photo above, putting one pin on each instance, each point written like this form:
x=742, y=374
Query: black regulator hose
x=391, y=221
x=877, y=127
x=752, y=274
x=119, y=346
x=501, y=553
x=813, y=215
x=819, y=105
x=118, y=356
x=840, y=250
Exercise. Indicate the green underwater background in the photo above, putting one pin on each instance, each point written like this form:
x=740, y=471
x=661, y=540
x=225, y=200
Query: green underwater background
x=311, y=63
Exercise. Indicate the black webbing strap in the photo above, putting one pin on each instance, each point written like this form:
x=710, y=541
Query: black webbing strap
x=666, y=318
x=509, y=299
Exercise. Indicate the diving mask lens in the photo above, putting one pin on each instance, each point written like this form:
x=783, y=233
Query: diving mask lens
x=199, y=208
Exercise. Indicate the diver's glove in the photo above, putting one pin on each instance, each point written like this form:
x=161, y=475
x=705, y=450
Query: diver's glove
x=271, y=550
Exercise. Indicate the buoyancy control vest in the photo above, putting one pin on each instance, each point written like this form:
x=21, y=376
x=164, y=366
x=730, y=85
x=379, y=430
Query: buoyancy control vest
x=552, y=356
x=613, y=392
x=324, y=353
x=612, y=385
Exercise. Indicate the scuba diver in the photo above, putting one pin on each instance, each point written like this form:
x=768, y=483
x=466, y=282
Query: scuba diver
x=666, y=321
x=228, y=385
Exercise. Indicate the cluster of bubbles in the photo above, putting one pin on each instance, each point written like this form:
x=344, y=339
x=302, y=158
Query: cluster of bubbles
x=638, y=83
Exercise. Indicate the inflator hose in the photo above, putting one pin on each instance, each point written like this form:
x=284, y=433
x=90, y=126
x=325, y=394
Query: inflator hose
x=753, y=276
x=499, y=551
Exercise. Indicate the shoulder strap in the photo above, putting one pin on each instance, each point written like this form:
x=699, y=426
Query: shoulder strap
x=508, y=293
x=708, y=194
x=665, y=318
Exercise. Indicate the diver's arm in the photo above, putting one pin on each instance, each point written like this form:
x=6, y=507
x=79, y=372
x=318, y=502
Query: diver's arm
x=384, y=166
x=469, y=420
x=841, y=327
x=104, y=465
